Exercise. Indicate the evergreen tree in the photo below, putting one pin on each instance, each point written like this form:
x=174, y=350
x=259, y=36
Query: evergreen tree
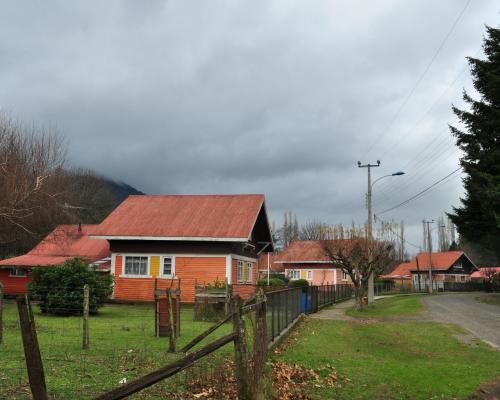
x=478, y=218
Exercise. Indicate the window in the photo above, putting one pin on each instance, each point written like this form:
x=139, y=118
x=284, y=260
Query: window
x=453, y=278
x=168, y=267
x=19, y=272
x=240, y=271
x=249, y=272
x=344, y=275
x=458, y=265
x=309, y=275
x=136, y=265
x=462, y=278
x=294, y=274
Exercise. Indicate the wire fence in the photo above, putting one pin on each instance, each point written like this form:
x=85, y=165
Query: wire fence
x=123, y=345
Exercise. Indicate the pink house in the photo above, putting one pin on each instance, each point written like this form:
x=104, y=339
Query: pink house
x=305, y=259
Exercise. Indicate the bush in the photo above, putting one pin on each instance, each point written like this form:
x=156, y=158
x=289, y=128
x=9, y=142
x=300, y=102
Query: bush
x=298, y=283
x=59, y=288
x=272, y=282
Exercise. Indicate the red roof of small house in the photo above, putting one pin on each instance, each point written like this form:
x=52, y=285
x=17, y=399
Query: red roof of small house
x=265, y=258
x=442, y=261
x=402, y=271
x=183, y=217
x=63, y=243
x=482, y=272
x=303, y=251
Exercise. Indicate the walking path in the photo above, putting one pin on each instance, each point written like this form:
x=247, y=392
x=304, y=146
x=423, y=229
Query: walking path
x=482, y=320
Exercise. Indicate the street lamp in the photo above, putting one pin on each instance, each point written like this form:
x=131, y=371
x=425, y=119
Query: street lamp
x=369, y=200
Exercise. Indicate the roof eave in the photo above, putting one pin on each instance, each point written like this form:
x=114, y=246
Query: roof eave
x=170, y=238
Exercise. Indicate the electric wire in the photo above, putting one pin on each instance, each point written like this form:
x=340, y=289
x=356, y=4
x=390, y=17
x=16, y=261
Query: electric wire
x=419, y=80
x=419, y=194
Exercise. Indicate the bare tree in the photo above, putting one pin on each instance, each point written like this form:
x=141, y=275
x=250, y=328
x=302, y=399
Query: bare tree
x=358, y=256
x=313, y=230
x=32, y=180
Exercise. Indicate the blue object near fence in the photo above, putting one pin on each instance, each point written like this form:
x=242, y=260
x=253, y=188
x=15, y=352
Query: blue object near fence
x=304, y=302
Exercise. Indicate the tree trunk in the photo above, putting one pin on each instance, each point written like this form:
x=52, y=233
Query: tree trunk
x=360, y=291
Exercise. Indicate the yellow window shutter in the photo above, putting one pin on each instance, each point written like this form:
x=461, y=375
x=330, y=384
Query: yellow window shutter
x=303, y=274
x=245, y=272
x=155, y=265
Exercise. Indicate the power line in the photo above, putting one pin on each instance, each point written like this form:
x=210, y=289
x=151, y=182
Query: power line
x=421, y=77
x=397, y=234
x=419, y=193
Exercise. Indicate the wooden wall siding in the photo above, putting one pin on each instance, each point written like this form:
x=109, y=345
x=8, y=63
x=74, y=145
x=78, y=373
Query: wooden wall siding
x=244, y=291
x=190, y=270
x=201, y=270
x=14, y=285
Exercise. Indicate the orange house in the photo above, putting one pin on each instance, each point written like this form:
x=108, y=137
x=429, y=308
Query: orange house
x=169, y=240
x=306, y=259
x=63, y=243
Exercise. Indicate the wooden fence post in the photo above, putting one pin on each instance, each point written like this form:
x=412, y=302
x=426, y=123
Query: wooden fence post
x=260, y=341
x=171, y=328
x=240, y=350
x=31, y=350
x=1, y=312
x=86, y=301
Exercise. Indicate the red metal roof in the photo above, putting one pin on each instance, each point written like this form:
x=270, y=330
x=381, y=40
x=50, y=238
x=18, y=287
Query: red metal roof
x=64, y=242
x=443, y=260
x=440, y=261
x=402, y=271
x=303, y=251
x=481, y=273
x=183, y=216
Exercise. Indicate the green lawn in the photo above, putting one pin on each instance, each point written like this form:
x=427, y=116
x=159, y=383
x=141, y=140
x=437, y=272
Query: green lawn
x=392, y=360
x=492, y=298
x=390, y=306
x=122, y=345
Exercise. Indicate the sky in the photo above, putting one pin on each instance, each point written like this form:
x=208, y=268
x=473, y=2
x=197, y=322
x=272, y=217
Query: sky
x=274, y=97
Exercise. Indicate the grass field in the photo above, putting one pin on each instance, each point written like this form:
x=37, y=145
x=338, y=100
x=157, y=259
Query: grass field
x=392, y=360
x=122, y=345
x=492, y=298
x=390, y=306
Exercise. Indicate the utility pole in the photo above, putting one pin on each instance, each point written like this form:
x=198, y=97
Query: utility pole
x=429, y=247
x=371, y=293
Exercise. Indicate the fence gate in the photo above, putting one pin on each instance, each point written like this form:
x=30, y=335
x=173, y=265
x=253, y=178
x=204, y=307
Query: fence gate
x=166, y=300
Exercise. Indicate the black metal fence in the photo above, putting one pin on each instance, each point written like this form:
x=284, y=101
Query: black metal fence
x=331, y=294
x=286, y=305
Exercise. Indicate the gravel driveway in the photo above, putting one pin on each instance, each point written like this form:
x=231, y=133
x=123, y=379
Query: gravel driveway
x=482, y=320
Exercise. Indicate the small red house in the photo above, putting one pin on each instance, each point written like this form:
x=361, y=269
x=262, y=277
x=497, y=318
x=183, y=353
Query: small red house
x=306, y=259
x=163, y=240
x=447, y=266
x=63, y=243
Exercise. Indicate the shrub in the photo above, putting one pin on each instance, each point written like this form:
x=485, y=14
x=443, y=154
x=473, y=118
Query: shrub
x=298, y=283
x=59, y=288
x=272, y=282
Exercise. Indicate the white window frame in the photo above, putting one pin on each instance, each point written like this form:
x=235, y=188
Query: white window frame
x=148, y=266
x=239, y=272
x=172, y=266
x=293, y=272
x=344, y=276
x=309, y=275
x=14, y=272
x=249, y=267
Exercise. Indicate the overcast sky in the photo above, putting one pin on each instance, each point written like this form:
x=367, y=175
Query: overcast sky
x=274, y=97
